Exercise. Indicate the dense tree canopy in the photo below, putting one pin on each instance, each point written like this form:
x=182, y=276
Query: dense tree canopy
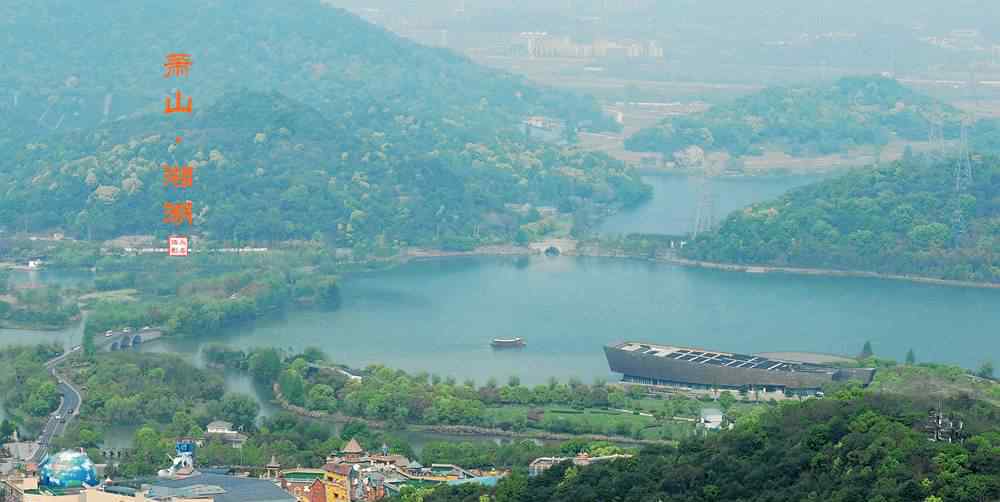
x=28, y=391
x=268, y=168
x=862, y=448
x=307, y=122
x=133, y=388
x=804, y=120
x=898, y=218
x=314, y=52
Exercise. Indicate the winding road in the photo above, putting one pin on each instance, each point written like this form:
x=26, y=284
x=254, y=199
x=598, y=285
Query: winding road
x=69, y=407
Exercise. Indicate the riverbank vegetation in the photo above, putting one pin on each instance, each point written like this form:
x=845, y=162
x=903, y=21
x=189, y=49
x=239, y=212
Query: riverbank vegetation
x=207, y=294
x=399, y=400
x=804, y=120
x=899, y=218
x=861, y=447
x=45, y=307
x=129, y=388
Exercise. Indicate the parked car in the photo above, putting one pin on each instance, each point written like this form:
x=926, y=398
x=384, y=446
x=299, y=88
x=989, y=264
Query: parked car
x=127, y=330
x=146, y=328
x=74, y=349
x=108, y=333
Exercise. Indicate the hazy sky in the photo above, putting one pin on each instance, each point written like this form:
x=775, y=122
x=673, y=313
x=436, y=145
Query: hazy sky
x=751, y=16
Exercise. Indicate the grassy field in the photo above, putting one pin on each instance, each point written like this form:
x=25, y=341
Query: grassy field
x=935, y=381
x=591, y=421
x=118, y=295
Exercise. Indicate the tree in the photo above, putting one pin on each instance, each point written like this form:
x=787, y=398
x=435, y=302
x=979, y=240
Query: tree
x=241, y=410
x=265, y=364
x=866, y=351
x=6, y=430
x=985, y=370
x=726, y=400
x=89, y=350
x=293, y=387
x=413, y=494
x=321, y=397
x=314, y=354
x=911, y=359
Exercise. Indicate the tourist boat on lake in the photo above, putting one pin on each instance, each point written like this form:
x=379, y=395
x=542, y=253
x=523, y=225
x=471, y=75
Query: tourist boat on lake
x=505, y=343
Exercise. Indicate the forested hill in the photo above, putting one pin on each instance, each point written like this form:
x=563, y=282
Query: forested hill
x=271, y=168
x=830, y=450
x=897, y=218
x=65, y=58
x=308, y=122
x=804, y=120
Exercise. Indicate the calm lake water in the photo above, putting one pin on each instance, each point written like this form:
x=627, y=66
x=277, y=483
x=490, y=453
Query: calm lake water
x=672, y=209
x=439, y=316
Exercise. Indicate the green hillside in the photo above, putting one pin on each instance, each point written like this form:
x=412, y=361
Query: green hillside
x=271, y=168
x=803, y=120
x=308, y=122
x=319, y=55
x=898, y=218
x=832, y=450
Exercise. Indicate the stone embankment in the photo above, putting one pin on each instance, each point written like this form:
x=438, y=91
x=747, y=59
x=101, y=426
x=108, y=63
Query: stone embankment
x=757, y=269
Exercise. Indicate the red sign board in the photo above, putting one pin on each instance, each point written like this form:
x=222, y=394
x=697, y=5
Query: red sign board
x=177, y=246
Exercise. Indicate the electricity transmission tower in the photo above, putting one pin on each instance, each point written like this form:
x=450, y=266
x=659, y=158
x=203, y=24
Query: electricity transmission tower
x=963, y=165
x=707, y=201
x=935, y=132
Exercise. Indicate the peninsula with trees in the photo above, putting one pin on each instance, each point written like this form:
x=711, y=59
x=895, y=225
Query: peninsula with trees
x=903, y=218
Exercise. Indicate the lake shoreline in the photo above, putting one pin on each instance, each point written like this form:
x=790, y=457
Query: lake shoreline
x=512, y=250
x=823, y=272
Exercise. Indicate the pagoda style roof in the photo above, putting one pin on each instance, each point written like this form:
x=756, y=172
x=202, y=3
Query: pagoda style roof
x=353, y=447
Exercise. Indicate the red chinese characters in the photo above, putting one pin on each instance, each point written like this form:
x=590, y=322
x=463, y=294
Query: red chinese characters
x=178, y=176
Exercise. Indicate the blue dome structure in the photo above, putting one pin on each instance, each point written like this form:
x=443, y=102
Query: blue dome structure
x=67, y=469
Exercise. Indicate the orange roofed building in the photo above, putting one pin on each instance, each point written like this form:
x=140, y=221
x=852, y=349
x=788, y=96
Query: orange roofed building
x=347, y=477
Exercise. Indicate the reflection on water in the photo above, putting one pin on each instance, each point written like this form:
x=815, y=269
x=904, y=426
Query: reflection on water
x=64, y=278
x=439, y=316
x=66, y=337
x=672, y=209
x=235, y=381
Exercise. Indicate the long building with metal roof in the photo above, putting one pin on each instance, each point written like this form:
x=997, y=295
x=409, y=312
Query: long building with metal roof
x=651, y=364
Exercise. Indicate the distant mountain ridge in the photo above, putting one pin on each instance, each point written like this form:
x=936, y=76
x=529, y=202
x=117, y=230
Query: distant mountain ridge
x=320, y=55
x=805, y=120
x=308, y=123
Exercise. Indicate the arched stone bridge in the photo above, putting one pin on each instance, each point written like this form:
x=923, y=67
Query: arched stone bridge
x=120, y=340
x=554, y=247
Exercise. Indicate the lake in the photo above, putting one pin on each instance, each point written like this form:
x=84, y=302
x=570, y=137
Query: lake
x=440, y=315
x=673, y=206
